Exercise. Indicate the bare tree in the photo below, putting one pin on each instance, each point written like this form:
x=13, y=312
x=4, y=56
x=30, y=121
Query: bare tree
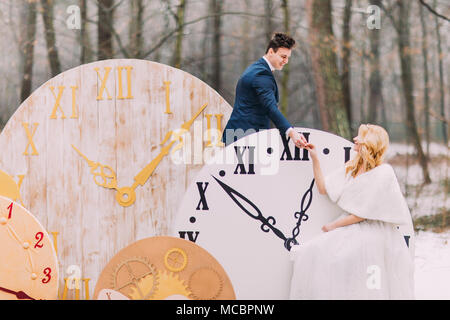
x=284, y=101
x=441, y=79
x=402, y=26
x=268, y=22
x=375, y=81
x=179, y=20
x=216, y=10
x=346, y=64
x=426, y=95
x=327, y=81
x=104, y=31
x=27, y=49
x=86, y=51
x=136, y=28
x=50, y=37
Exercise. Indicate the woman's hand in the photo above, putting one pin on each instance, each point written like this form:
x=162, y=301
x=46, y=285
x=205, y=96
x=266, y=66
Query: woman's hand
x=312, y=150
x=328, y=227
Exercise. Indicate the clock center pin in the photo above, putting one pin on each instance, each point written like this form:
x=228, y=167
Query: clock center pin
x=33, y=276
x=26, y=245
x=3, y=220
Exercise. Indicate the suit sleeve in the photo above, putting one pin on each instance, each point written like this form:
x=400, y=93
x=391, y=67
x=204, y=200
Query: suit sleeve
x=264, y=87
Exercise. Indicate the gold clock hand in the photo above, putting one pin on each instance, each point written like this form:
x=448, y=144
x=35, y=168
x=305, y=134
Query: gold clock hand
x=94, y=165
x=142, y=177
x=126, y=196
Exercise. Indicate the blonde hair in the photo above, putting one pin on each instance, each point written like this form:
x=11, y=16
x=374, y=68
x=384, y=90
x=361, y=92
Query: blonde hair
x=373, y=141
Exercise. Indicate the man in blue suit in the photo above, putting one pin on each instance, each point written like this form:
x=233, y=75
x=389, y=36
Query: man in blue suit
x=257, y=95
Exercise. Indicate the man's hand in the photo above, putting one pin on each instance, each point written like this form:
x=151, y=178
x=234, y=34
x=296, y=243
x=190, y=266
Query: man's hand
x=298, y=139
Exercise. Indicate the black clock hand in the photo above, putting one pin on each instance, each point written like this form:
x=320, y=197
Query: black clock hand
x=267, y=223
x=19, y=294
x=300, y=216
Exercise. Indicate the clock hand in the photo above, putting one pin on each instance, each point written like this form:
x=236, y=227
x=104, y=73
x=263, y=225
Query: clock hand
x=126, y=195
x=94, y=165
x=19, y=294
x=142, y=177
x=300, y=216
x=267, y=223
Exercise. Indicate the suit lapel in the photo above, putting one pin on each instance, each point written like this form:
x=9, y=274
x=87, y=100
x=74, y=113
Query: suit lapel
x=264, y=63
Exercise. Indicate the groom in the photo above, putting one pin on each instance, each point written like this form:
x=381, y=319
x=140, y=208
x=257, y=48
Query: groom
x=257, y=95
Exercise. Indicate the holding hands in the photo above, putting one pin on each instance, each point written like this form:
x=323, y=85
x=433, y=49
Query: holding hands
x=298, y=139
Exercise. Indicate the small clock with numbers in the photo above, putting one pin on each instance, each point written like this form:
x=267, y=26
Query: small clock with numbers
x=251, y=204
x=28, y=268
x=104, y=152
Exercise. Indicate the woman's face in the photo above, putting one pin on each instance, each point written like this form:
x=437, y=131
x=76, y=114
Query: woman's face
x=357, y=145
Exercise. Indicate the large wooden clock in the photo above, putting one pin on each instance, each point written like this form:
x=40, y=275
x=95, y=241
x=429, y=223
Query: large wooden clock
x=104, y=152
x=256, y=201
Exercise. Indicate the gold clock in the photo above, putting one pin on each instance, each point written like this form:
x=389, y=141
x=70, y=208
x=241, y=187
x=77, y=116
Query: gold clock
x=162, y=268
x=28, y=268
x=104, y=153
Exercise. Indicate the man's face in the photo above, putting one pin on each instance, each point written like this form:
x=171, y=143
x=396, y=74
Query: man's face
x=280, y=58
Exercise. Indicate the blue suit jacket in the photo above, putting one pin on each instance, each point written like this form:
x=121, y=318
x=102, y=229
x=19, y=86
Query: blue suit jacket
x=256, y=101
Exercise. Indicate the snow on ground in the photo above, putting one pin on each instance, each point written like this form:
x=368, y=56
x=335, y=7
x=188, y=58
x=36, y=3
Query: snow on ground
x=432, y=250
x=432, y=266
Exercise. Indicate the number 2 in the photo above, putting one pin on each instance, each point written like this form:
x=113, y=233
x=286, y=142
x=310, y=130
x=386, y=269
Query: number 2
x=39, y=236
x=47, y=273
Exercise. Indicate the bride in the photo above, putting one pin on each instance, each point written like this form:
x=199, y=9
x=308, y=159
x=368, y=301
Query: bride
x=361, y=255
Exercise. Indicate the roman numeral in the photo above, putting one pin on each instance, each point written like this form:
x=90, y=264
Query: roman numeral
x=57, y=104
x=167, y=87
x=120, y=96
x=251, y=160
x=407, y=240
x=202, y=191
x=218, y=130
x=347, y=153
x=104, y=81
x=287, y=151
x=190, y=235
x=30, y=136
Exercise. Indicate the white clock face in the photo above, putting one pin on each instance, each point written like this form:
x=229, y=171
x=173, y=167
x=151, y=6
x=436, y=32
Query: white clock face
x=92, y=150
x=248, y=216
x=28, y=268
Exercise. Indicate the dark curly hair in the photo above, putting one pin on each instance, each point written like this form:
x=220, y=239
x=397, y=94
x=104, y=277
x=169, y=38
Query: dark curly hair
x=280, y=40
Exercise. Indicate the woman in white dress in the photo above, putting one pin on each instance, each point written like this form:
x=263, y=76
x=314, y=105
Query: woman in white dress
x=361, y=255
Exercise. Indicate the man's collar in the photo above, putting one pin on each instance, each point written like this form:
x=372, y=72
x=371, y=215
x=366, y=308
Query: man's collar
x=270, y=65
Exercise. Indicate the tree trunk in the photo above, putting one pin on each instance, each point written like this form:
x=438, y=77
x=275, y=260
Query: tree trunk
x=177, y=56
x=441, y=79
x=50, y=37
x=246, y=51
x=136, y=27
x=268, y=8
x=216, y=10
x=284, y=101
x=28, y=51
x=375, y=82
x=408, y=85
x=327, y=81
x=346, y=64
x=426, y=95
x=104, y=33
x=86, y=51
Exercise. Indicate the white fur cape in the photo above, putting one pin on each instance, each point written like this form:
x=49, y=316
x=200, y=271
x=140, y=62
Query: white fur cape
x=374, y=195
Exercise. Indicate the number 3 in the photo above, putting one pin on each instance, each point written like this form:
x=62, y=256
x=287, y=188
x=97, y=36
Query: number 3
x=47, y=272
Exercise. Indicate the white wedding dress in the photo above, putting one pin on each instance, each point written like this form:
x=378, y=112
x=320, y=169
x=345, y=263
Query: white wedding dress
x=366, y=260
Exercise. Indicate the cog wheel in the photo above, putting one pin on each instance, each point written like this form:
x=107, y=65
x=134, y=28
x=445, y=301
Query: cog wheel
x=129, y=273
x=205, y=284
x=168, y=284
x=175, y=259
